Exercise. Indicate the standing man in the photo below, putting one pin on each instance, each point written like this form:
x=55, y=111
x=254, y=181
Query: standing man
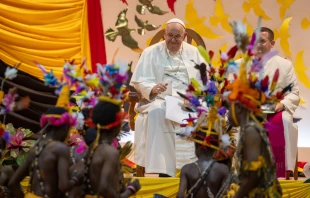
x=166, y=63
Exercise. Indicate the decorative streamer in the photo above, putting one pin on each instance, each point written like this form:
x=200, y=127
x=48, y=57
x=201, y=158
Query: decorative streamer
x=125, y=2
x=285, y=5
x=255, y=5
x=284, y=35
x=196, y=23
x=171, y=5
x=305, y=23
x=301, y=69
x=220, y=17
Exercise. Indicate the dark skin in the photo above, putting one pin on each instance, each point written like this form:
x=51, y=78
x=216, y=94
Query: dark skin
x=54, y=165
x=190, y=174
x=252, y=148
x=106, y=162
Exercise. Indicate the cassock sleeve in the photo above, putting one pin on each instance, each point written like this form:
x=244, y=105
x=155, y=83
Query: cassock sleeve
x=143, y=78
x=291, y=99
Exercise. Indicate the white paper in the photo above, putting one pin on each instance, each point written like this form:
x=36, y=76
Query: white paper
x=174, y=112
x=168, y=91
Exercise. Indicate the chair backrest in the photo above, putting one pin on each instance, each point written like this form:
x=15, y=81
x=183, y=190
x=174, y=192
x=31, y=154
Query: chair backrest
x=191, y=36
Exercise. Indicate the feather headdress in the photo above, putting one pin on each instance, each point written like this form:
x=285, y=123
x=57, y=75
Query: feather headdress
x=249, y=87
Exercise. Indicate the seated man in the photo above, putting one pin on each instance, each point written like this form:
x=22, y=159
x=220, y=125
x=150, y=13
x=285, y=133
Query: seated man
x=169, y=61
x=283, y=138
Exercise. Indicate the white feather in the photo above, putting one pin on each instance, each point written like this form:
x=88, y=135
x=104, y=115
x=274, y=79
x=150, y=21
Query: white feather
x=80, y=120
x=123, y=67
x=10, y=73
x=225, y=140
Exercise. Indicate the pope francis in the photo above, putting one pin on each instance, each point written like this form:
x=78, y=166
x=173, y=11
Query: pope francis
x=163, y=68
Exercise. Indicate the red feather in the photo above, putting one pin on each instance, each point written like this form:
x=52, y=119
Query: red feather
x=211, y=54
x=124, y=1
x=171, y=5
x=275, y=80
x=264, y=84
x=232, y=52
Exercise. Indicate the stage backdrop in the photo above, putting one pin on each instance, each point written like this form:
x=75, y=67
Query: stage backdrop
x=289, y=19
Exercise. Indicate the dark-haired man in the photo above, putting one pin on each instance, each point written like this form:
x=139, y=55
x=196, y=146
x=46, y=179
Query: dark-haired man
x=47, y=163
x=283, y=134
x=103, y=158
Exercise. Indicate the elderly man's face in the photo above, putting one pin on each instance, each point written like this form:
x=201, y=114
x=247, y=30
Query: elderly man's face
x=264, y=44
x=174, y=36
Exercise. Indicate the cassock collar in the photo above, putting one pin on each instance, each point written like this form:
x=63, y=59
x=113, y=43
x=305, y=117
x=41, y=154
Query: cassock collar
x=179, y=53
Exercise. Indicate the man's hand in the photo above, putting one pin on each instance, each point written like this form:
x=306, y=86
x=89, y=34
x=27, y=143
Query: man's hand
x=187, y=102
x=135, y=184
x=279, y=107
x=77, y=170
x=159, y=88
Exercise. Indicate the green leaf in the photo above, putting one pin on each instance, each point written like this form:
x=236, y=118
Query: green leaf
x=29, y=143
x=203, y=52
x=21, y=158
x=14, y=152
x=10, y=128
x=27, y=132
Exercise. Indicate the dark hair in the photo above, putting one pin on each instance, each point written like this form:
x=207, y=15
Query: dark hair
x=269, y=31
x=90, y=136
x=56, y=110
x=64, y=127
x=104, y=113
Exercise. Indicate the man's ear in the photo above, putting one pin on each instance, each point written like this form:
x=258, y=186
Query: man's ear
x=185, y=35
x=164, y=31
x=273, y=43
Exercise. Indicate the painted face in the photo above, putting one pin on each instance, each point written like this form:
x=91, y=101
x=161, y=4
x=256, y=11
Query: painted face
x=174, y=36
x=264, y=44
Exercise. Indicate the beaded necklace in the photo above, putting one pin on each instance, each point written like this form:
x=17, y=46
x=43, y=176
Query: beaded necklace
x=269, y=173
x=35, y=166
x=87, y=184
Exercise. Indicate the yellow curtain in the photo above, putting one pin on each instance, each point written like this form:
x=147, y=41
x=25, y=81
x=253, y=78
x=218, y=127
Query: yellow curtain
x=46, y=31
x=169, y=187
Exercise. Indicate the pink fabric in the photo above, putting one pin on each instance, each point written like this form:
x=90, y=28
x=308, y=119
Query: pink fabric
x=276, y=137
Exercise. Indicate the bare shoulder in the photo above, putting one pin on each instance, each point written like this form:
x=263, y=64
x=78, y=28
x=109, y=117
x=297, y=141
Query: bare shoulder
x=221, y=168
x=187, y=168
x=251, y=134
x=109, y=152
x=60, y=148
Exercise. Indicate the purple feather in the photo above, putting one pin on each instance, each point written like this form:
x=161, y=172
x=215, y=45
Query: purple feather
x=269, y=55
x=6, y=136
x=222, y=111
x=195, y=102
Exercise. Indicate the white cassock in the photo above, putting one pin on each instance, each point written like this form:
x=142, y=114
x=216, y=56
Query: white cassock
x=154, y=135
x=290, y=101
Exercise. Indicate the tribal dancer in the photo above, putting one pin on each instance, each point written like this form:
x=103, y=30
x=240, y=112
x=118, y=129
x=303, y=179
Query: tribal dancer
x=48, y=162
x=245, y=95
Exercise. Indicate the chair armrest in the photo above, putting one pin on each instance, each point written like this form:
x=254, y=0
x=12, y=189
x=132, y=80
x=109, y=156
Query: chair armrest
x=133, y=98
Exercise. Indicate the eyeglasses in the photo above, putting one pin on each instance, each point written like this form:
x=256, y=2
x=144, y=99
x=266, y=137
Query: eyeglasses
x=262, y=41
x=178, y=37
